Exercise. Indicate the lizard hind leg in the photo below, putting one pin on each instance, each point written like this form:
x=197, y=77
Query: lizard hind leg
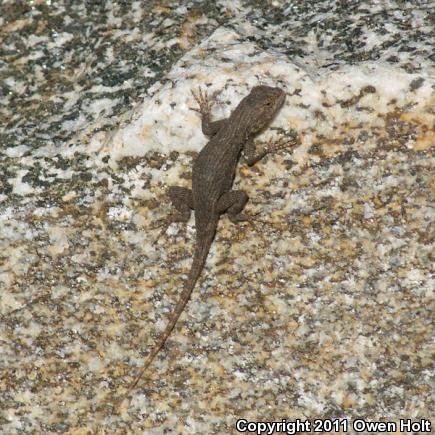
x=182, y=200
x=233, y=202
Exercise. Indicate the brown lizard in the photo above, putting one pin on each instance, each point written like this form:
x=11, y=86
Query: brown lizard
x=212, y=178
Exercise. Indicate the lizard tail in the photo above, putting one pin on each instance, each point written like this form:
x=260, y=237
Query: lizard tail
x=202, y=249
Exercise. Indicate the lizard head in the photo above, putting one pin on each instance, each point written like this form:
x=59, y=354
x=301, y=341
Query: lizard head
x=264, y=102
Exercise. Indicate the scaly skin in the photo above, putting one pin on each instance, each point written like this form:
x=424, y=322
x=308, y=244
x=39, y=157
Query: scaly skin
x=212, y=178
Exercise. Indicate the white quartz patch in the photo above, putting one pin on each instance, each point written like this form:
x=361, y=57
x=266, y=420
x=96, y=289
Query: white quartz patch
x=19, y=187
x=58, y=240
x=228, y=69
x=17, y=151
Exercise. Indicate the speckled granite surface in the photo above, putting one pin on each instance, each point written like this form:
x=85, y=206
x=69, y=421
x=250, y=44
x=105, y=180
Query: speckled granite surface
x=321, y=309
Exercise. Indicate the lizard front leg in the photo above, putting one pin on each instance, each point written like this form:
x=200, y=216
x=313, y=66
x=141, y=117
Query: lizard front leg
x=208, y=128
x=251, y=154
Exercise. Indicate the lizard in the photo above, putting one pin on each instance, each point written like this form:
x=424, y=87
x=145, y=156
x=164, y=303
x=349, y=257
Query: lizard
x=213, y=173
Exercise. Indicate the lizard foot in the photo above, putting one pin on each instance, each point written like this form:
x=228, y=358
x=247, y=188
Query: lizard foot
x=242, y=217
x=164, y=224
x=203, y=101
x=282, y=142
